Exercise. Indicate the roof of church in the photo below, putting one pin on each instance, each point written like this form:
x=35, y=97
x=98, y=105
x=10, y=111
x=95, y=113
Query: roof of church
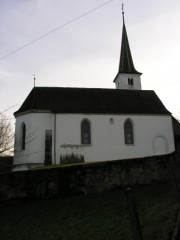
x=92, y=100
x=126, y=64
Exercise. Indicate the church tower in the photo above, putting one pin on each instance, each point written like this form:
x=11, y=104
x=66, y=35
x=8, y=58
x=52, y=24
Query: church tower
x=127, y=77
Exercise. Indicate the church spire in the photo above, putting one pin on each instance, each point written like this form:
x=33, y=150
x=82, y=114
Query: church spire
x=126, y=64
x=127, y=77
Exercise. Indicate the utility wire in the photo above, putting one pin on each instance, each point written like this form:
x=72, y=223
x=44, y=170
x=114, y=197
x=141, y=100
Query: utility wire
x=6, y=110
x=55, y=29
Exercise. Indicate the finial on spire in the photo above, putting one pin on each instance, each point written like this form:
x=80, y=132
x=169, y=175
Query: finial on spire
x=34, y=80
x=122, y=8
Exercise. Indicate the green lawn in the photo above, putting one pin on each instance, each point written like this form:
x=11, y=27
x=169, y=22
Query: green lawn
x=93, y=217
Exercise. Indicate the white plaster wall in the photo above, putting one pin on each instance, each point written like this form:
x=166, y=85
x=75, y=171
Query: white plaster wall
x=107, y=139
x=36, y=125
x=22, y=155
x=122, y=81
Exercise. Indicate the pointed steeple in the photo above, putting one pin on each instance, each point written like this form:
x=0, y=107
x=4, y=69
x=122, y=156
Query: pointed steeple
x=126, y=64
x=127, y=77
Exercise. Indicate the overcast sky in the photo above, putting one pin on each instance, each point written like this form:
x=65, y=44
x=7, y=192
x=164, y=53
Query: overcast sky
x=86, y=52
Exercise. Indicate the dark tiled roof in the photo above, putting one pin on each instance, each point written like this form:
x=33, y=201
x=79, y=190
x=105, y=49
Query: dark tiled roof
x=92, y=100
x=126, y=64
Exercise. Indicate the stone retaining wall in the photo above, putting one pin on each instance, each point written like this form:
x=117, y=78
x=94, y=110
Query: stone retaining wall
x=84, y=178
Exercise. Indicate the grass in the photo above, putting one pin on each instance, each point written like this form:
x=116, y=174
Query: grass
x=98, y=216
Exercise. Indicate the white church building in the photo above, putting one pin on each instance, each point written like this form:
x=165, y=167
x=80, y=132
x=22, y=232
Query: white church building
x=57, y=125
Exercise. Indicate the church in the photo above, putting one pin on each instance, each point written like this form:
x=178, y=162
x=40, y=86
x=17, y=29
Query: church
x=58, y=125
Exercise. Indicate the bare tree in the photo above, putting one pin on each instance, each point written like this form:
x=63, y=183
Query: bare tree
x=6, y=136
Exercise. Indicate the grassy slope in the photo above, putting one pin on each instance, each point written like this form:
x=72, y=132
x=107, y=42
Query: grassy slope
x=98, y=216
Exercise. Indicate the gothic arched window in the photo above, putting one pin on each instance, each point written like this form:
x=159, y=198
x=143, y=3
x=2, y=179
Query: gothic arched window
x=85, y=132
x=128, y=132
x=23, y=136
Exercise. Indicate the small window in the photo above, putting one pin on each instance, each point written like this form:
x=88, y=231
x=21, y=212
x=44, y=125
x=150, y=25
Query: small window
x=23, y=136
x=128, y=132
x=85, y=132
x=130, y=82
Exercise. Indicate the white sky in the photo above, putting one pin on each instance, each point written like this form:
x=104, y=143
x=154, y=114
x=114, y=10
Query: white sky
x=86, y=52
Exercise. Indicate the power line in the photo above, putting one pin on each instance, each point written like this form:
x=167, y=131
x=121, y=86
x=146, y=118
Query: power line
x=55, y=29
x=6, y=110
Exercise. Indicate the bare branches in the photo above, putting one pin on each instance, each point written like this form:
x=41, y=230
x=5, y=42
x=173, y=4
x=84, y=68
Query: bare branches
x=18, y=144
x=6, y=136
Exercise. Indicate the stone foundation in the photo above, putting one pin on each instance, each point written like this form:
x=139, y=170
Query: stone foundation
x=84, y=178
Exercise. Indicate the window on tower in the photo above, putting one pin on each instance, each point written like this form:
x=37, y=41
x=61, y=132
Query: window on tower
x=130, y=82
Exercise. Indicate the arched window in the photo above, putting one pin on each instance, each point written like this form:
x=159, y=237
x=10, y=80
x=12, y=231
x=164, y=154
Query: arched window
x=85, y=132
x=128, y=132
x=23, y=136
